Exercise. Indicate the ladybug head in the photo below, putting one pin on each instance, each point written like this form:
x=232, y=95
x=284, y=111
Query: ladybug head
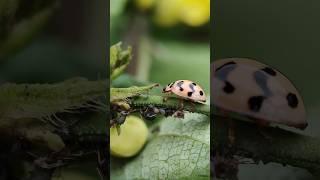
x=167, y=88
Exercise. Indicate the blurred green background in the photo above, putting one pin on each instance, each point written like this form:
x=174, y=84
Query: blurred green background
x=71, y=42
x=68, y=43
x=161, y=53
x=285, y=35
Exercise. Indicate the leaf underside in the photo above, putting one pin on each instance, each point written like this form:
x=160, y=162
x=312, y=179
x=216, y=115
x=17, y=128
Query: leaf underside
x=123, y=93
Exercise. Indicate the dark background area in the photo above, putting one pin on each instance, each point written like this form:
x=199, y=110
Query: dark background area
x=72, y=43
x=283, y=34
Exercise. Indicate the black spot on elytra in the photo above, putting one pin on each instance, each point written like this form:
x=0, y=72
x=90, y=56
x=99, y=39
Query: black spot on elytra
x=171, y=85
x=228, y=88
x=292, y=100
x=194, y=84
x=190, y=94
x=226, y=64
x=164, y=89
x=269, y=71
x=201, y=93
x=255, y=103
x=181, y=89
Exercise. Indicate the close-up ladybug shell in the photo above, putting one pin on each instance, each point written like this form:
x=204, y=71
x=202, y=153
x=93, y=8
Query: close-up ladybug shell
x=257, y=90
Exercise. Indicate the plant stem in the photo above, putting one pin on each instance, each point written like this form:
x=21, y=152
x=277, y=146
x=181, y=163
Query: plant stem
x=268, y=144
x=172, y=102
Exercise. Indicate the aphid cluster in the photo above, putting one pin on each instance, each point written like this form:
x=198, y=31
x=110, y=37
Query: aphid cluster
x=150, y=112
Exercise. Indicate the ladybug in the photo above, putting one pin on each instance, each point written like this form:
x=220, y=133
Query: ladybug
x=256, y=90
x=187, y=90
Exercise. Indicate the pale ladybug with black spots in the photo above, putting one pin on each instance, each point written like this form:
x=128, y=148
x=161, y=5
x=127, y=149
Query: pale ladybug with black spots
x=187, y=90
x=256, y=90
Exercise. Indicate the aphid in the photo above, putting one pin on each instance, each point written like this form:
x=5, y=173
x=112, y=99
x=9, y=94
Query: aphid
x=119, y=112
x=150, y=112
x=187, y=90
x=178, y=114
x=168, y=112
x=119, y=120
x=122, y=117
x=256, y=90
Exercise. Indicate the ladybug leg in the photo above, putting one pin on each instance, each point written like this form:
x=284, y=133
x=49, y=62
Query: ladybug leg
x=261, y=124
x=231, y=129
x=179, y=112
x=181, y=104
x=193, y=108
x=231, y=132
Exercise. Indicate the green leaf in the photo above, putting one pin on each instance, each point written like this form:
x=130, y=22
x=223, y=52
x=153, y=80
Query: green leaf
x=123, y=93
x=181, y=150
x=119, y=59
